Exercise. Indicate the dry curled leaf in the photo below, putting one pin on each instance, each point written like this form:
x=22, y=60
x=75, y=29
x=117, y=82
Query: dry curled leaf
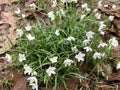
x=84, y=84
x=20, y=82
x=114, y=76
x=8, y=2
x=105, y=87
x=7, y=30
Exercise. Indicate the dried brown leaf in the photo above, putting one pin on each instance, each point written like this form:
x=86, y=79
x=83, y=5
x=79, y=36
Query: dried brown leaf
x=20, y=82
x=8, y=2
x=114, y=76
x=7, y=26
x=105, y=87
x=84, y=84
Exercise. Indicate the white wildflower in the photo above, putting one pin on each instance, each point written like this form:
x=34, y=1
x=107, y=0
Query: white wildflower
x=50, y=71
x=62, y=12
x=88, y=9
x=85, y=5
x=95, y=10
x=33, y=6
x=23, y=16
x=33, y=82
x=114, y=6
x=74, y=49
x=88, y=49
x=102, y=45
x=34, y=73
x=86, y=42
x=106, y=5
x=98, y=15
x=70, y=38
x=54, y=59
x=118, y=66
x=30, y=37
x=98, y=55
x=82, y=17
x=100, y=3
x=68, y=62
x=80, y=56
x=57, y=32
x=102, y=33
x=51, y=15
x=27, y=69
x=90, y=34
x=9, y=58
x=102, y=25
x=111, y=18
x=19, y=32
x=28, y=27
x=54, y=3
x=21, y=57
x=113, y=42
x=17, y=11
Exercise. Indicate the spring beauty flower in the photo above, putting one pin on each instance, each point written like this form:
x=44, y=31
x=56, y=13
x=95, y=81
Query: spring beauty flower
x=82, y=17
x=98, y=55
x=111, y=18
x=33, y=82
x=86, y=42
x=68, y=62
x=57, y=32
x=54, y=3
x=118, y=66
x=23, y=15
x=114, y=6
x=106, y=5
x=61, y=12
x=18, y=11
x=95, y=10
x=90, y=34
x=30, y=37
x=80, y=56
x=113, y=42
x=70, y=38
x=33, y=6
x=85, y=6
x=50, y=71
x=102, y=45
x=54, y=59
x=19, y=32
x=51, y=15
x=102, y=25
x=34, y=73
x=100, y=3
x=28, y=27
x=98, y=15
x=9, y=58
x=74, y=49
x=27, y=69
x=21, y=57
x=88, y=49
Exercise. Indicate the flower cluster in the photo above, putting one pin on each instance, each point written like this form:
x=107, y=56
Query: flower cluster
x=51, y=52
x=33, y=82
x=85, y=6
